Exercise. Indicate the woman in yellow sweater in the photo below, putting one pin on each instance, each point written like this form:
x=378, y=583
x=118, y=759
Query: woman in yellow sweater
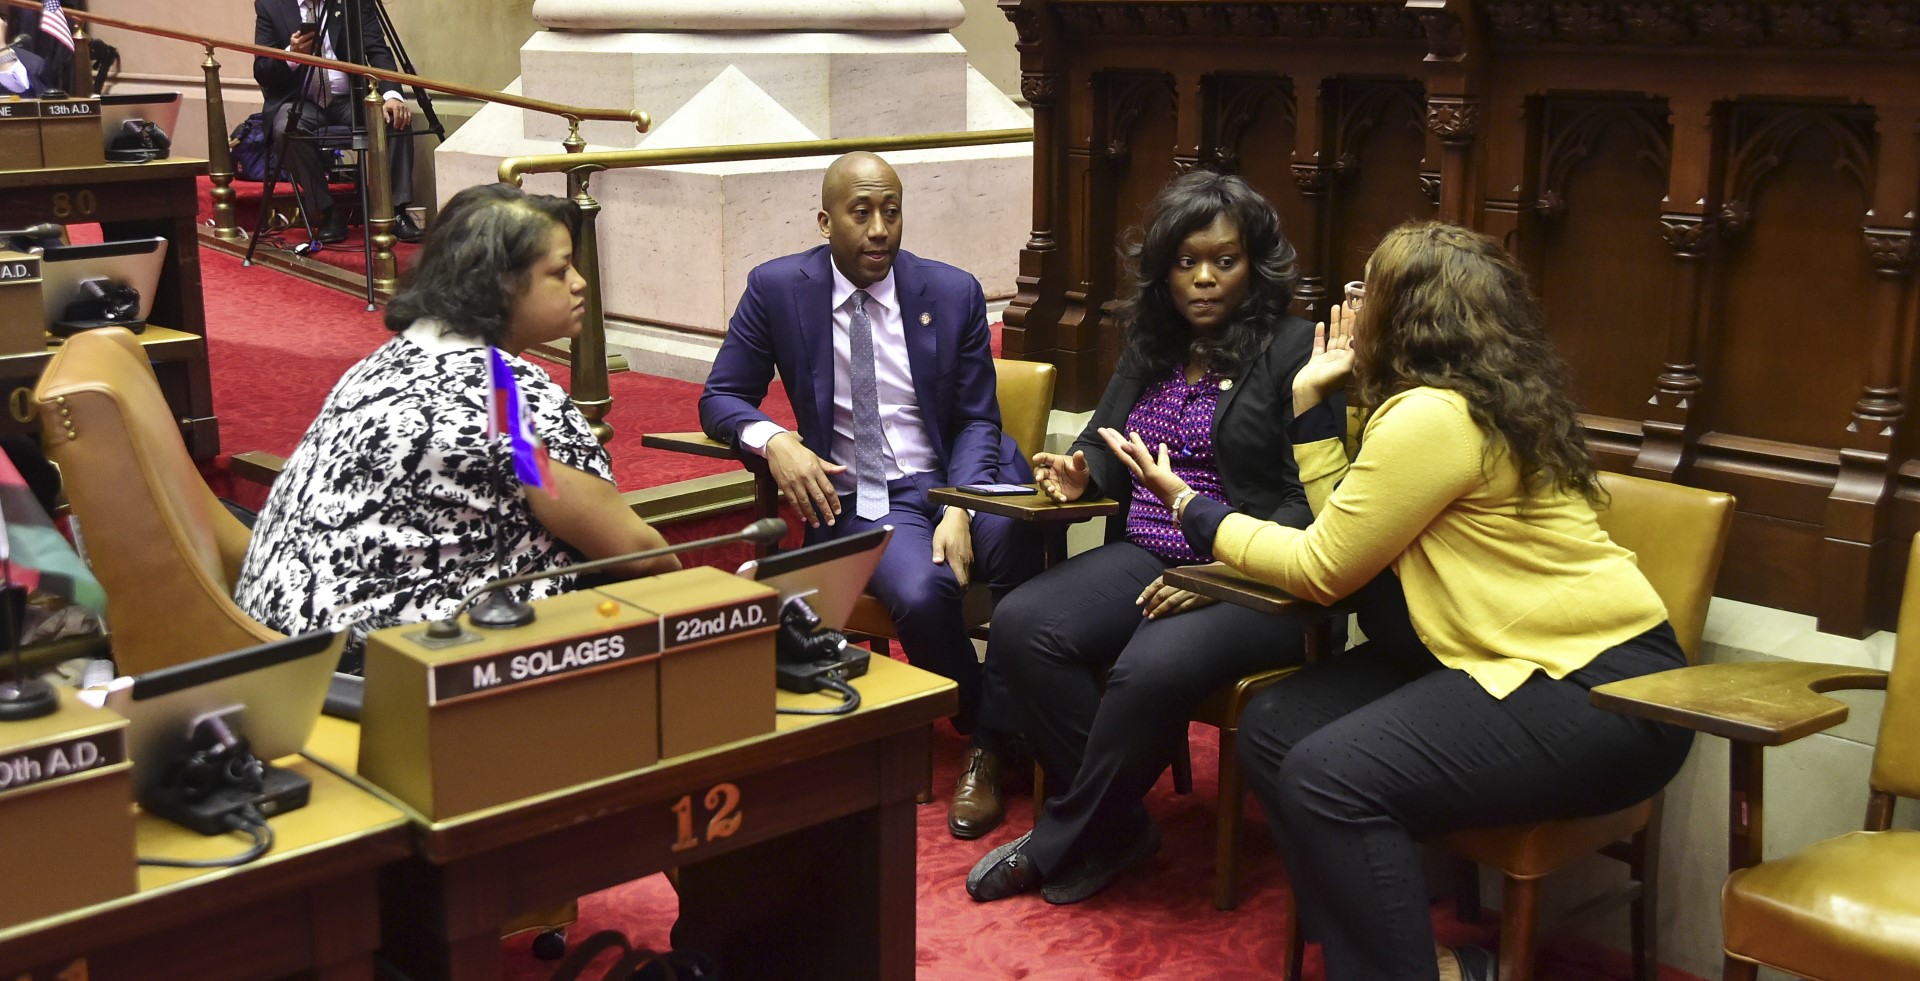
x=1468, y=705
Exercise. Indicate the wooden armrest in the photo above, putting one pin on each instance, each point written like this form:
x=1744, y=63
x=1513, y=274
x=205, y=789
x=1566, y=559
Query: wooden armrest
x=698, y=444
x=1769, y=703
x=1221, y=582
x=1025, y=507
x=256, y=466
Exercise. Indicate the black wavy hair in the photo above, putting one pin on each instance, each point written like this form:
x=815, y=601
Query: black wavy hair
x=477, y=257
x=1158, y=336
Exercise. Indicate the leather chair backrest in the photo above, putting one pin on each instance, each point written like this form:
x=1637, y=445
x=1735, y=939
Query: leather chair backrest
x=1896, y=754
x=1679, y=534
x=1026, y=400
x=162, y=545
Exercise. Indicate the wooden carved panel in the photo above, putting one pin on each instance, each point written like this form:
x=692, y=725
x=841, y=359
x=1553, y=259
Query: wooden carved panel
x=1794, y=328
x=1379, y=141
x=1602, y=278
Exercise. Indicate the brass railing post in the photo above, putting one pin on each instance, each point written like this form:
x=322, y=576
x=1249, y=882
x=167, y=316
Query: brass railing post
x=219, y=156
x=590, y=391
x=80, y=81
x=379, y=193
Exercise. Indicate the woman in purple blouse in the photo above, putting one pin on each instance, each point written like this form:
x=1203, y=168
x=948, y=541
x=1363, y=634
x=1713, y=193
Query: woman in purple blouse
x=1106, y=663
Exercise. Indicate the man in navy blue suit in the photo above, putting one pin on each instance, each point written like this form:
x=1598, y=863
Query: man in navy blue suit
x=887, y=360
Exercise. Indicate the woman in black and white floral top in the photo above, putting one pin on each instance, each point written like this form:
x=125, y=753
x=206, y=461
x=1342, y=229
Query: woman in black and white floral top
x=396, y=503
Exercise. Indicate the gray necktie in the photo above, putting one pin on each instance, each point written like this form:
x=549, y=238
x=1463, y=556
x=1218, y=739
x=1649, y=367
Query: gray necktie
x=869, y=448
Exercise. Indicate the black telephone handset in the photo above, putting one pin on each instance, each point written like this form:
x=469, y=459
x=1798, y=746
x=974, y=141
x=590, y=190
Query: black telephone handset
x=102, y=302
x=810, y=656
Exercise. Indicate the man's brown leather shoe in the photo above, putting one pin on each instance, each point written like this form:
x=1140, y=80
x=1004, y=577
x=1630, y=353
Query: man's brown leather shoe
x=977, y=807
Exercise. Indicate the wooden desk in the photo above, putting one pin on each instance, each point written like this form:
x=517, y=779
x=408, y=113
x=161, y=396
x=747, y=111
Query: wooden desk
x=309, y=906
x=1228, y=586
x=796, y=849
x=134, y=201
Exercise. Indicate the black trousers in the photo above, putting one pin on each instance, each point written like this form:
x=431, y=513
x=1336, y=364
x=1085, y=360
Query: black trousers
x=302, y=156
x=1104, y=694
x=1358, y=757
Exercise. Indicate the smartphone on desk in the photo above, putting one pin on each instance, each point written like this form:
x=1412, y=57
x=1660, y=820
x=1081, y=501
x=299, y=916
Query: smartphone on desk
x=995, y=490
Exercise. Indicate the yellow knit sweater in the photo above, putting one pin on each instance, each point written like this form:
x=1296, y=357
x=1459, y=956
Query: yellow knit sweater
x=1497, y=585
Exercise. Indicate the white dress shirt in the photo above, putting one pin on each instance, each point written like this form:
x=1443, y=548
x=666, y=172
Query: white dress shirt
x=336, y=80
x=13, y=78
x=908, y=451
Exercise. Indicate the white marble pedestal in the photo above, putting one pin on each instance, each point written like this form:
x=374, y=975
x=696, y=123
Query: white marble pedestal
x=677, y=242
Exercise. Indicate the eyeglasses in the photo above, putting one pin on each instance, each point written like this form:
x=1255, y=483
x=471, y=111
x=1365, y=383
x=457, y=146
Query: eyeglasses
x=1356, y=294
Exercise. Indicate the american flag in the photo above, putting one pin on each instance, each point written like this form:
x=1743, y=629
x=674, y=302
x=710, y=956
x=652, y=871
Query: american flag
x=53, y=21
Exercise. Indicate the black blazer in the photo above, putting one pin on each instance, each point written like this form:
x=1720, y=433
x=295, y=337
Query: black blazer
x=1253, y=434
x=274, y=22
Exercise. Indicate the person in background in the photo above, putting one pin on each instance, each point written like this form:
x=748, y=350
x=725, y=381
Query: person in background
x=397, y=503
x=21, y=72
x=1472, y=500
x=1105, y=661
x=888, y=364
x=325, y=98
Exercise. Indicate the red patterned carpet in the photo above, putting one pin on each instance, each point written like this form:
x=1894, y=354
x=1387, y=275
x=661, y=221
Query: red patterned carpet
x=346, y=255
x=277, y=346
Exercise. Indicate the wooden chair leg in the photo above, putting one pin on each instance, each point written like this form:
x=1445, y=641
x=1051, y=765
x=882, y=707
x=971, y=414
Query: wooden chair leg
x=1039, y=788
x=1296, y=941
x=1230, y=811
x=1735, y=969
x=926, y=792
x=1183, y=766
x=1645, y=869
x=1517, y=919
x=1466, y=891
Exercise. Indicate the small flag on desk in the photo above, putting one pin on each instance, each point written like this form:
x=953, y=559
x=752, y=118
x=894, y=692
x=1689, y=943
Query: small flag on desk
x=53, y=22
x=507, y=414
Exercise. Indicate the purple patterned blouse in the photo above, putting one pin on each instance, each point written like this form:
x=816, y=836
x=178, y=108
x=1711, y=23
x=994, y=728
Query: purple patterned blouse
x=1180, y=414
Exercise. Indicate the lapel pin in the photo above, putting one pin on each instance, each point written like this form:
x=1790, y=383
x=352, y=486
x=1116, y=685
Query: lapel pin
x=1226, y=384
x=925, y=319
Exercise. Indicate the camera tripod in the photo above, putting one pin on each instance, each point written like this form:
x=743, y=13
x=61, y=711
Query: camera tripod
x=349, y=16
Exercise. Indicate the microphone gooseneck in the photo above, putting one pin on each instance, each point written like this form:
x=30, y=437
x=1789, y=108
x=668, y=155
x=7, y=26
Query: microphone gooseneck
x=765, y=531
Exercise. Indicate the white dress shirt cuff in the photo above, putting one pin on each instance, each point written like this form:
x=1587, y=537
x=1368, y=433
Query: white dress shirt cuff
x=755, y=435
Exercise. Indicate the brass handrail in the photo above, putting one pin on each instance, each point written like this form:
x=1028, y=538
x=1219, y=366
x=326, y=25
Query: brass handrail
x=512, y=169
x=590, y=391
x=639, y=117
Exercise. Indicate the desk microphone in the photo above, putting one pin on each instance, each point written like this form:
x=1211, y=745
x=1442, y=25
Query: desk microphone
x=500, y=610
x=33, y=237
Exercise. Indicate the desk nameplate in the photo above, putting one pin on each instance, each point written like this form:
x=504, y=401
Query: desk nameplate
x=24, y=768
x=499, y=671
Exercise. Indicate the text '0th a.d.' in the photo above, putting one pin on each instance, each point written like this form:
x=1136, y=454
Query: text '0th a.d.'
x=498, y=672
x=24, y=767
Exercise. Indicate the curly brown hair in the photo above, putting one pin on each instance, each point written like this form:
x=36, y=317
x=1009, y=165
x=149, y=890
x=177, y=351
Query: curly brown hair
x=1449, y=308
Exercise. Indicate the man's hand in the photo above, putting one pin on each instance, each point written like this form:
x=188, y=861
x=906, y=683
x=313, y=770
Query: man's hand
x=804, y=478
x=953, y=544
x=1062, y=478
x=399, y=114
x=302, y=42
x=1161, y=600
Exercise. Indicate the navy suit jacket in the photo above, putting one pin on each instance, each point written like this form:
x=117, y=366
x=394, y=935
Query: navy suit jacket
x=785, y=322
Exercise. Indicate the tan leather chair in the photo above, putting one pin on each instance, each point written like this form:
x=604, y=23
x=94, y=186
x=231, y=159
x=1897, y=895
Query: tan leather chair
x=1679, y=534
x=165, y=550
x=1844, y=909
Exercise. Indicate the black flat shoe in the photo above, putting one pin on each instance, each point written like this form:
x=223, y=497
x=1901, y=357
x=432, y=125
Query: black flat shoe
x=1088, y=877
x=1005, y=871
x=1476, y=963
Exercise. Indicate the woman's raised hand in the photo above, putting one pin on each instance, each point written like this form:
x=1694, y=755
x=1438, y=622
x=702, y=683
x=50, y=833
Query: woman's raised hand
x=1153, y=472
x=1063, y=478
x=1331, y=363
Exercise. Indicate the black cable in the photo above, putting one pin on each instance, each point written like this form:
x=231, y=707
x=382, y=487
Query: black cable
x=248, y=820
x=846, y=691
